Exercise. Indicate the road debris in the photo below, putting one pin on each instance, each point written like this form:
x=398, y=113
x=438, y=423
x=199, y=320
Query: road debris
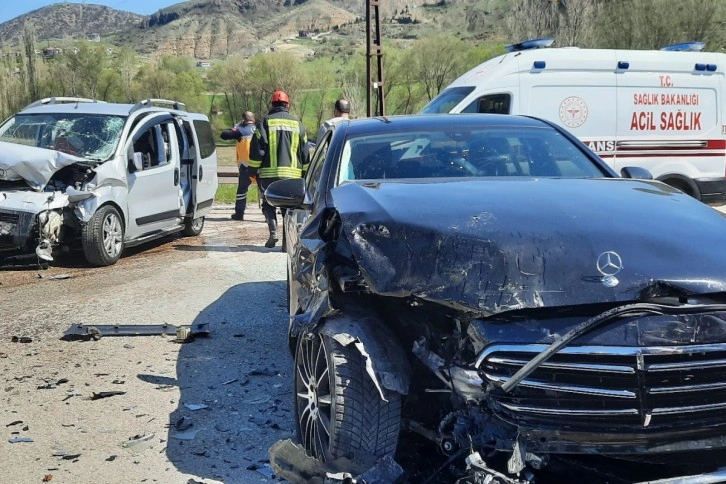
x=20, y=440
x=190, y=435
x=289, y=462
x=14, y=422
x=263, y=372
x=100, y=395
x=138, y=442
x=65, y=455
x=196, y=406
x=87, y=332
x=47, y=477
x=60, y=277
x=21, y=339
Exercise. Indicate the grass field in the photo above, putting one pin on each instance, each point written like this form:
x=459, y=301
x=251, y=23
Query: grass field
x=226, y=155
x=227, y=193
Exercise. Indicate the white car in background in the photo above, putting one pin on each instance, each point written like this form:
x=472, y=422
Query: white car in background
x=96, y=176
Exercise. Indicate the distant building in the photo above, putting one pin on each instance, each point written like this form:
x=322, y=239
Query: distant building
x=51, y=52
x=94, y=37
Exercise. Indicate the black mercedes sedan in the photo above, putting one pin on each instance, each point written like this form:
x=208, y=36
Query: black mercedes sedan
x=488, y=282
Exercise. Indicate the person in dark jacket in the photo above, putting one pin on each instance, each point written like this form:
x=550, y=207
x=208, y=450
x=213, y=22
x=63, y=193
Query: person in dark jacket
x=242, y=133
x=279, y=149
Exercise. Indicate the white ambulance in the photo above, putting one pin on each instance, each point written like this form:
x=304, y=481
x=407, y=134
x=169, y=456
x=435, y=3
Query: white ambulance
x=661, y=110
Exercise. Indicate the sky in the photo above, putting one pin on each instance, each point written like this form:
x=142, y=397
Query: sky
x=10, y=9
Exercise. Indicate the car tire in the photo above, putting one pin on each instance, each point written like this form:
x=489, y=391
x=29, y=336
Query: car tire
x=103, y=237
x=193, y=227
x=338, y=409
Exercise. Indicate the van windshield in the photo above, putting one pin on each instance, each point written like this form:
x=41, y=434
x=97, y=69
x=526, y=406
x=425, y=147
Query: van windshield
x=90, y=136
x=447, y=100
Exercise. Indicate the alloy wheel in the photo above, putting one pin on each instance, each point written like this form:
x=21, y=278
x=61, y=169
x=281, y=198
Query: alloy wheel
x=313, y=395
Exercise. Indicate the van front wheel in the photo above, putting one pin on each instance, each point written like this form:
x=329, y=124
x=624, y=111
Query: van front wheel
x=193, y=227
x=103, y=237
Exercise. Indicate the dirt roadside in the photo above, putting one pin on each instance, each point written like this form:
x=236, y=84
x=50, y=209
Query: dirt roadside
x=145, y=408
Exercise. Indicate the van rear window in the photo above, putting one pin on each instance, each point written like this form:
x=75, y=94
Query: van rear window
x=447, y=100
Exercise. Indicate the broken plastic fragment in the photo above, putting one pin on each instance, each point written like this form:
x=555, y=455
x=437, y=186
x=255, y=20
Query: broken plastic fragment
x=44, y=250
x=20, y=440
x=190, y=435
x=195, y=406
x=100, y=395
x=138, y=442
x=21, y=339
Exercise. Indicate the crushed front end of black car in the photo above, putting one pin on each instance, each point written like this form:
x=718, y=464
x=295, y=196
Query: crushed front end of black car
x=513, y=323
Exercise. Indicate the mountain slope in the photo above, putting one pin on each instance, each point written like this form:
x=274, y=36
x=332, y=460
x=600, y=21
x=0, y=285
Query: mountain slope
x=70, y=20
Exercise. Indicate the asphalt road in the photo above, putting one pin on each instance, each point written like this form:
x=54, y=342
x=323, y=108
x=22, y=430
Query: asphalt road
x=207, y=410
x=204, y=411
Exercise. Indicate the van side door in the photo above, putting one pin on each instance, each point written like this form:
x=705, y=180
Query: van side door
x=203, y=152
x=153, y=184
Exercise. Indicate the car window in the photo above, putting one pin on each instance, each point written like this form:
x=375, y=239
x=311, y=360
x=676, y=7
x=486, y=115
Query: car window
x=207, y=145
x=316, y=165
x=490, y=104
x=486, y=152
x=447, y=100
x=90, y=136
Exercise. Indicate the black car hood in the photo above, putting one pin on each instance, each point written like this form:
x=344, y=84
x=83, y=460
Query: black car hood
x=490, y=246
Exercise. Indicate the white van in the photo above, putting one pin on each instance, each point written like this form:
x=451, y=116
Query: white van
x=80, y=174
x=660, y=110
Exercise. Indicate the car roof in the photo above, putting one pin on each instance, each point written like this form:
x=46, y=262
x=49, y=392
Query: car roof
x=113, y=109
x=444, y=121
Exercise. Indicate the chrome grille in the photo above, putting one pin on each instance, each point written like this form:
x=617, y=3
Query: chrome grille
x=606, y=385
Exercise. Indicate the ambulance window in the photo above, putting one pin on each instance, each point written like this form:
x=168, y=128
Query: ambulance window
x=447, y=100
x=492, y=104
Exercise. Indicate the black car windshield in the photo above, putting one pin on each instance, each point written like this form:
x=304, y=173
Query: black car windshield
x=90, y=136
x=447, y=100
x=475, y=152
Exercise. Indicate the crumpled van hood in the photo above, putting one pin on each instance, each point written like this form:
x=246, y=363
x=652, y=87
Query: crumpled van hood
x=34, y=165
x=490, y=246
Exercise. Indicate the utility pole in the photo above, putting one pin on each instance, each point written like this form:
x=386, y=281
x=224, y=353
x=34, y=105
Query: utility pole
x=374, y=48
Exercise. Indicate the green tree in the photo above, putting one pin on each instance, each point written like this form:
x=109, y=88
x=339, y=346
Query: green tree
x=86, y=63
x=271, y=71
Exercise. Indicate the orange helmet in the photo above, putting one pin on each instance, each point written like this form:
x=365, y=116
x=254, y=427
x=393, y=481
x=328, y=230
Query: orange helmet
x=280, y=97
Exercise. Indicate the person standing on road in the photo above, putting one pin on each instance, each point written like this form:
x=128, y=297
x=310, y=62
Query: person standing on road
x=243, y=133
x=341, y=112
x=279, y=149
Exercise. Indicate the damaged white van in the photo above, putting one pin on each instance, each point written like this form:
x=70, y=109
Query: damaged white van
x=81, y=174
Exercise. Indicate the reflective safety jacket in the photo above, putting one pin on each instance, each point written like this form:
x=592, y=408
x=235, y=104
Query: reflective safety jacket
x=279, y=147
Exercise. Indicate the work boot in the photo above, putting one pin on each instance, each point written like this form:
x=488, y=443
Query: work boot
x=238, y=216
x=272, y=225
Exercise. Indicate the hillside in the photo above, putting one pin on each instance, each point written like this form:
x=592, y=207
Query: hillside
x=208, y=29
x=70, y=21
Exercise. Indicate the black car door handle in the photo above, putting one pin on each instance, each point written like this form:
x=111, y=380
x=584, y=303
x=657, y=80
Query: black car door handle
x=176, y=177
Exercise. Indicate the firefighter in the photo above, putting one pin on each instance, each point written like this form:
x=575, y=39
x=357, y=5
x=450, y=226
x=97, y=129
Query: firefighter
x=279, y=149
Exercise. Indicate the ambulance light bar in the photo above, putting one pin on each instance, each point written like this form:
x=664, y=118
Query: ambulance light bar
x=531, y=44
x=685, y=46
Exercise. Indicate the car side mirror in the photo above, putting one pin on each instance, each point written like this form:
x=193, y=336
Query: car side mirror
x=636, y=172
x=286, y=193
x=136, y=162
